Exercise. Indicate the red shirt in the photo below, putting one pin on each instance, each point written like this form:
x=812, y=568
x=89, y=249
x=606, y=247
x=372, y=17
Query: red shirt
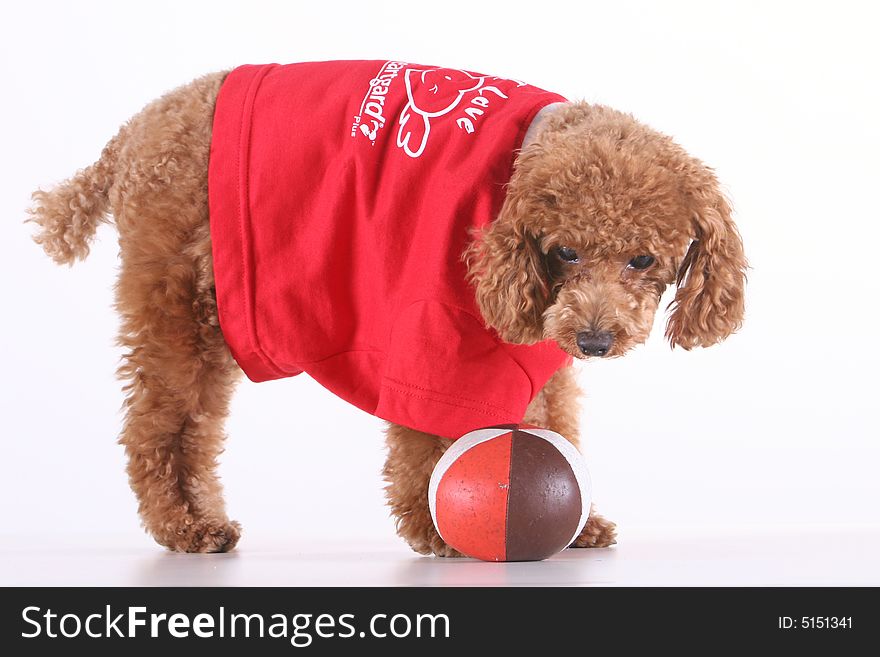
x=341, y=199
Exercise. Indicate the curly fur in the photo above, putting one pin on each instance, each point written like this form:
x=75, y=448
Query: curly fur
x=600, y=182
x=594, y=180
x=69, y=215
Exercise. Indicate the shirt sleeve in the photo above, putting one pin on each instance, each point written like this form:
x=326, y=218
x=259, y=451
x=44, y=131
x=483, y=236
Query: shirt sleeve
x=446, y=374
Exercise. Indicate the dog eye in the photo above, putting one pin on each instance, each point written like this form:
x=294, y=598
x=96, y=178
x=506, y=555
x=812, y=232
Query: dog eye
x=641, y=262
x=567, y=255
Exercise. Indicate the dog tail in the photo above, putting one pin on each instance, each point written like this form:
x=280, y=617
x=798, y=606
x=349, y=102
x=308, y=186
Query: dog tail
x=69, y=214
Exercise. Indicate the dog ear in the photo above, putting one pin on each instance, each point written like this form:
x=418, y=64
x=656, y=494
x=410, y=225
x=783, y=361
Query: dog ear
x=508, y=271
x=709, y=302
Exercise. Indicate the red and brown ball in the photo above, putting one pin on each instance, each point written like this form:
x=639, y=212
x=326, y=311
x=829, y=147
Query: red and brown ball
x=510, y=493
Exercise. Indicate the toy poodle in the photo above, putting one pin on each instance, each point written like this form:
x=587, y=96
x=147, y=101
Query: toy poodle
x=435, y=246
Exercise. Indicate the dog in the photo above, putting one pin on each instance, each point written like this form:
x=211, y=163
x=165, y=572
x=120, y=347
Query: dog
x=598, y=216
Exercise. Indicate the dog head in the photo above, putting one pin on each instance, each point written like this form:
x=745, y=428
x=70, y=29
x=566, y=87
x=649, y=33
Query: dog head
x=601, y=215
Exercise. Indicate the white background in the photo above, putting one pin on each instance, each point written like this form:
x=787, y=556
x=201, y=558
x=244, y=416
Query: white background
x=772, y=431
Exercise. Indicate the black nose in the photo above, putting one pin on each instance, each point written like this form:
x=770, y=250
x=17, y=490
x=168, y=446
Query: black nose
x=594, y=343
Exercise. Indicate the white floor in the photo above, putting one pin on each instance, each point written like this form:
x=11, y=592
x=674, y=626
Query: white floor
x=820, y=557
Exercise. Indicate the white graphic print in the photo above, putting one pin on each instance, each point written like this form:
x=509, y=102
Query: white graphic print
x=373, y=104
x=431, y=93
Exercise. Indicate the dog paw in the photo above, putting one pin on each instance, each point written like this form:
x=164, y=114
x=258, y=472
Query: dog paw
x=599, y=532
x=201, y=535
x=432, y=544
x=440, y=549
x=419, y=532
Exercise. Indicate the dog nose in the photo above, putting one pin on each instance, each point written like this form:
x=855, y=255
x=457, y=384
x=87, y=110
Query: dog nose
x=594, y=343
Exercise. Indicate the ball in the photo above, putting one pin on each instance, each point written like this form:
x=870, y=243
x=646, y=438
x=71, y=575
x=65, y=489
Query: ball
x=510, y=493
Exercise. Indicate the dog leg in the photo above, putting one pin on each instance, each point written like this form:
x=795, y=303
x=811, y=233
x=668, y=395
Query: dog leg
x=556, y=408
x=180, y=378
x=412, y=456
x=178, y=369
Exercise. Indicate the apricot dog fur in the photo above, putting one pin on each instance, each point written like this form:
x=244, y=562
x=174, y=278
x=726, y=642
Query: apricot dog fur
x=595, y=197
